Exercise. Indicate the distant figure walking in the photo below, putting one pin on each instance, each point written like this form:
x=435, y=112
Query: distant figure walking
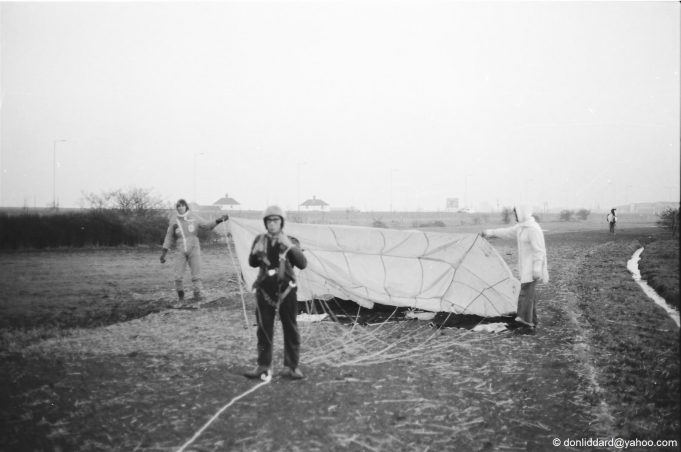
x=612, y=220
x=532, y=263
x=183, y=232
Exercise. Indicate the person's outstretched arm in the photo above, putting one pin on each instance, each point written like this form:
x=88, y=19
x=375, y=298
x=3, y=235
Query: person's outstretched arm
x=506, y=233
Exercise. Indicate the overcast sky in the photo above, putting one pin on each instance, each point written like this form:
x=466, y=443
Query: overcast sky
x=360, y=103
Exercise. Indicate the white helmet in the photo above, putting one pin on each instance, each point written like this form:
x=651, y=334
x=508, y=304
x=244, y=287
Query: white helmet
x=274, y=211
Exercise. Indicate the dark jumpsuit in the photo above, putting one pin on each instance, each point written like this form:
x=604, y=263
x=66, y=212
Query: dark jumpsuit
x=275, y=287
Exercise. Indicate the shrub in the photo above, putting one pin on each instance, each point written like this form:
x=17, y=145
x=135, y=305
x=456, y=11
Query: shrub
x=431, y=224
x=379, y=224
x=506, y=214
x=566, y=215
x=583, y=214
x=100, y=227
x=668, y=219
x=135, y=200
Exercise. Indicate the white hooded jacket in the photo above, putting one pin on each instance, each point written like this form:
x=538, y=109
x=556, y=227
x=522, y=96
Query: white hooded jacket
x=531, y=247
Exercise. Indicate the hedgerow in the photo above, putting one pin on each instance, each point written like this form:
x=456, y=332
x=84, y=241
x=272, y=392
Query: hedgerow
x=98, y=227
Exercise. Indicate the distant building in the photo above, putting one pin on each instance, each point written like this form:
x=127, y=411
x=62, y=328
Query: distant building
x=315, y=204
x=452, y=205
x=649, y=208
x=226, y=203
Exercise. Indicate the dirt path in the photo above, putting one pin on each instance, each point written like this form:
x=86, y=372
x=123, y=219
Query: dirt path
x=151, y=383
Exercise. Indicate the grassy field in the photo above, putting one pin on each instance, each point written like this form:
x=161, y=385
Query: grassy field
x=660, y=268
x=92, y=358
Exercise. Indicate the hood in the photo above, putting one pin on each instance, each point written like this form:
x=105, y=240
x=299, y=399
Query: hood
x=524, y=213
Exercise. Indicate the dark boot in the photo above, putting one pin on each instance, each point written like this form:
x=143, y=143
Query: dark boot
x=197, y=296
x=180, y=295
x=294, y=373
x=261, y=372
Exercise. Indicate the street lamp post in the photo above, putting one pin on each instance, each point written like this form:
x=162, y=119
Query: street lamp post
x=196, y=154
x=298, y=196
x=391, y=188
x=465, y=192
x=54, y=172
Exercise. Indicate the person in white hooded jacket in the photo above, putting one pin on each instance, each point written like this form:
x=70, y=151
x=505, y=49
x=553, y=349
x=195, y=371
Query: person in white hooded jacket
x=532, y=261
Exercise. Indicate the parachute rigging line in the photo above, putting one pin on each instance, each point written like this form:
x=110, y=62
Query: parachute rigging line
x=216, y=415
x=239, y=278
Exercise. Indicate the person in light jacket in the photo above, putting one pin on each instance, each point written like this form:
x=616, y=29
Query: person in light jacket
x=183, y=232
x=612, y=220
x=532, y=261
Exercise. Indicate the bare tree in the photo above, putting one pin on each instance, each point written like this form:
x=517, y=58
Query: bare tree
x=133, y=201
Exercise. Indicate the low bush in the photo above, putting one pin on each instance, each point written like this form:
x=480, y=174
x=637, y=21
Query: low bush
x=566, y=215
x=506, y=214
x=432, y=224
x=97, y=227
x=669, y=219
x=583, y=214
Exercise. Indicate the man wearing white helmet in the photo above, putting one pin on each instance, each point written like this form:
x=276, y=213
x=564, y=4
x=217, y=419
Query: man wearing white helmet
x=532, y=262
x=276, y=254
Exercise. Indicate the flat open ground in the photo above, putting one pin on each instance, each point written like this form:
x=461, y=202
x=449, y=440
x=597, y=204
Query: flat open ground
x=94, y=359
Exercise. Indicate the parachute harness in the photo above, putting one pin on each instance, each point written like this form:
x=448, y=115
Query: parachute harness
x=280, y=274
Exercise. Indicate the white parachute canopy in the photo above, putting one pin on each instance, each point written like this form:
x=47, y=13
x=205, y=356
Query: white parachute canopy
x=438, y=272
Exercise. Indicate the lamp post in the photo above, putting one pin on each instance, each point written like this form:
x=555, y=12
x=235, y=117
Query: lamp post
x=54, y=172
x=465, y=192
x=392, y=170
x=298, y=200
x=196, y=154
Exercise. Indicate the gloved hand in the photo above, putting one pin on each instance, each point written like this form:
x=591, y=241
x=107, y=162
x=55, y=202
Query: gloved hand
x=163, y=256
x=284, y=240
x=260, y=250
x=259, y=247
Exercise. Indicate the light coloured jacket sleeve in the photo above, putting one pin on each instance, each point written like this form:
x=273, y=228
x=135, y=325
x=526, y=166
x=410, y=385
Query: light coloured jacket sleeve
x=170, y=236
x=506, y=233
x=203, y=223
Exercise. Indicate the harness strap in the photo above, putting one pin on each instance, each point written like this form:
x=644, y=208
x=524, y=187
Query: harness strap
x=281, y=275
x=184, y=239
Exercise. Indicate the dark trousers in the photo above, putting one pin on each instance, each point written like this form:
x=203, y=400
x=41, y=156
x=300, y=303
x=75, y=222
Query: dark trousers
x=527, y=303
x=612, y=227
x=265, y=315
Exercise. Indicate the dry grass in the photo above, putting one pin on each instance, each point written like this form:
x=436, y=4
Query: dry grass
x=149, y=383
x=659, y=266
